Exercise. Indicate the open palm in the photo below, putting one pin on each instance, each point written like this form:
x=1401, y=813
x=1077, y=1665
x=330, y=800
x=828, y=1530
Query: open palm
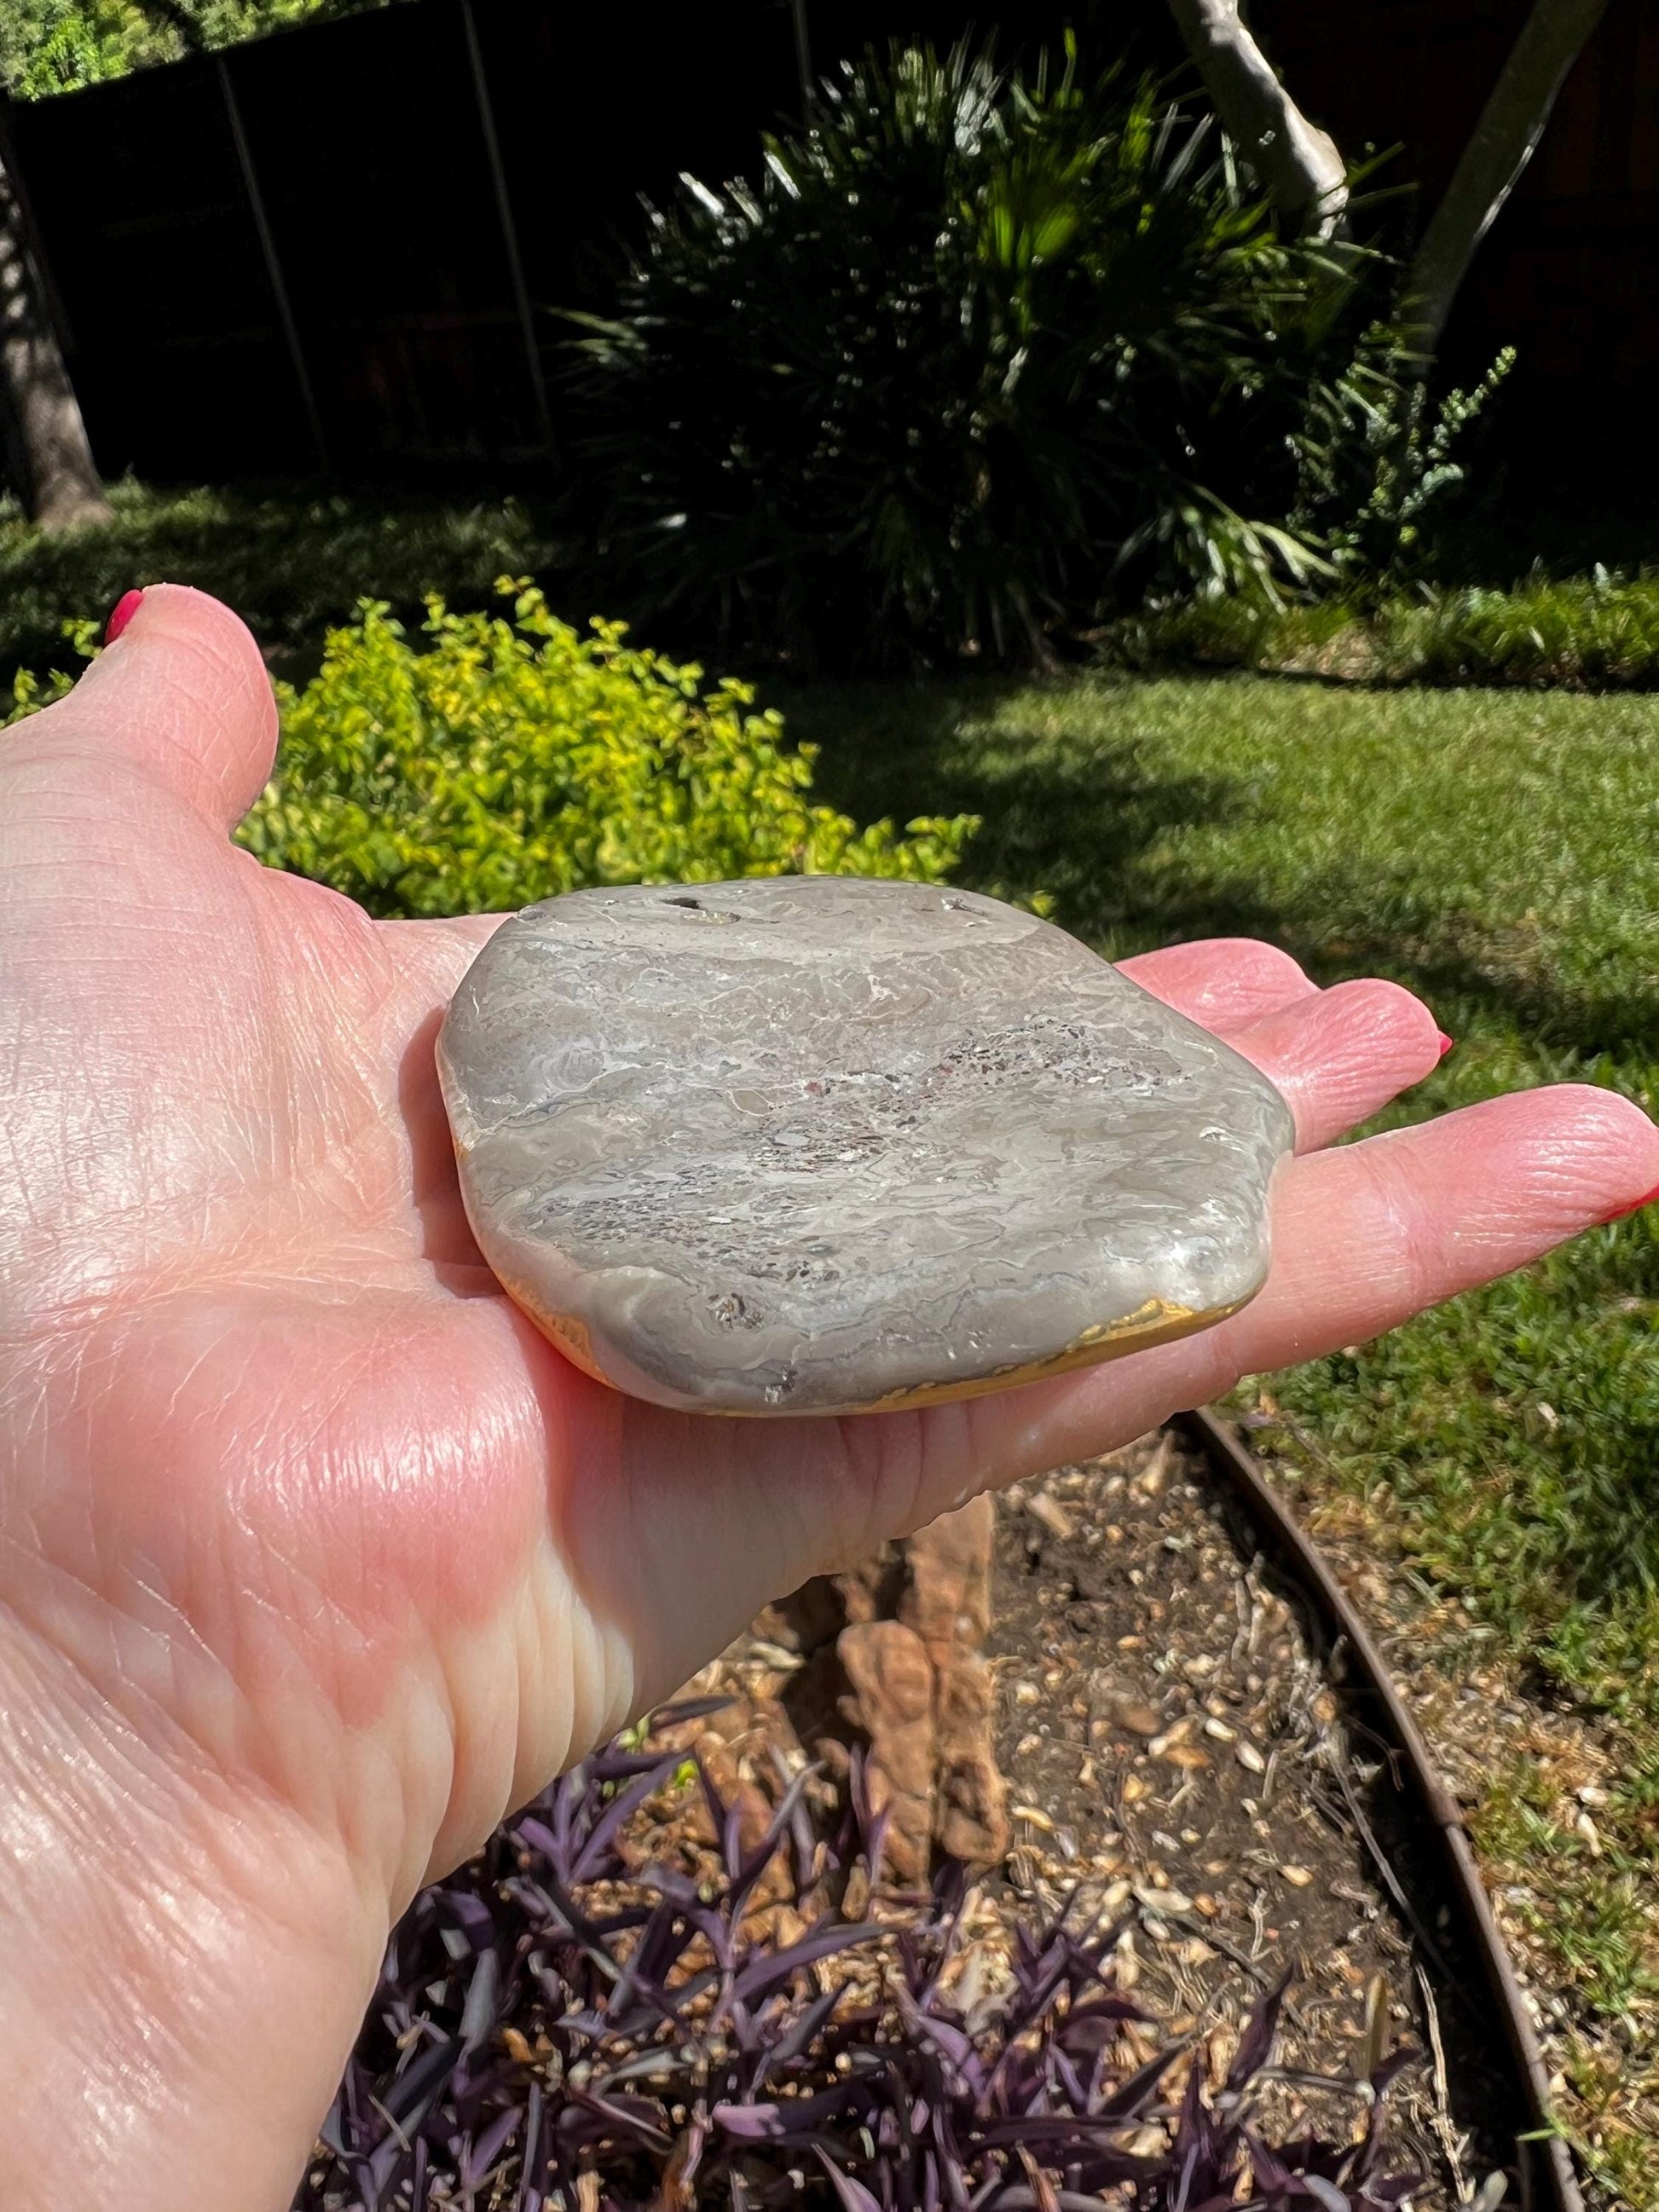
x=315, y=1558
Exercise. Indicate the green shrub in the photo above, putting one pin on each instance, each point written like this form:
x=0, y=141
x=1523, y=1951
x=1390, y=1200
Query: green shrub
x=1599, y=632
x=514, y=759
x=54, y=46
x=979, y=357
x=1379, y=454
x=1595, y=632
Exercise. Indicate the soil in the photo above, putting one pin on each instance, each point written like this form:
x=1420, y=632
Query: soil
x=1488, y=1722
x=1172, y=1735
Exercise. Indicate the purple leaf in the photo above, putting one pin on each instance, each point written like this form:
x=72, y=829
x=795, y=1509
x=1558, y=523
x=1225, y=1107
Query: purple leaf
x=1397, y=2187
x=797, y=2039
x=1256, y=2043
x=633, y=2118
x=597, y=1853
x=478, y=2014
x=1020, y=2196
x=766, y=1850
x=791, y=2119
x=690, y=1709
x=408, y=2098
x=939, y=2035
x=852, y=2196
x=1127, y=2100
x=828, y=1936
x=538, y=1837
x=906, y=2104
x=489, y=2147
x=530, y=2198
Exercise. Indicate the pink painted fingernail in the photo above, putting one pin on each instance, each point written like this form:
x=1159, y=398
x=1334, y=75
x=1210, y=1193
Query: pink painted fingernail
x=126, y=607
x=1446, y=1043
x=1636, y=1205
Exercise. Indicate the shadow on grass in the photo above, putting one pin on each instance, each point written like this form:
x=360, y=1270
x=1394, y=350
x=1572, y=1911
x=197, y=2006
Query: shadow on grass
x=1090, y=819
x=291, y=560
x=1079, y=820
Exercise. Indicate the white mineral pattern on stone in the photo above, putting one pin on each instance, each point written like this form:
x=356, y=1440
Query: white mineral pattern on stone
x=802, y=1143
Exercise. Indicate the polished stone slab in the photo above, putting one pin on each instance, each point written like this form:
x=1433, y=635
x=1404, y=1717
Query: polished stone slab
x=816, y=1143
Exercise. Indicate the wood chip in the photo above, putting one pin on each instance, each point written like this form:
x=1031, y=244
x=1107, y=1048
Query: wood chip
x=1162, y=1900
x=1053, y=1516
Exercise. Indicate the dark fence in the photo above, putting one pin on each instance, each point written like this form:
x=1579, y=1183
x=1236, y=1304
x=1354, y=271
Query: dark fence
x=303, y=251
x=347, y=245
x=1570, y=272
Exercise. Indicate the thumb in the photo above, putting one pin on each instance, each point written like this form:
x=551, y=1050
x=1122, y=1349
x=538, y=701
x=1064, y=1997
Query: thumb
x=180, y=693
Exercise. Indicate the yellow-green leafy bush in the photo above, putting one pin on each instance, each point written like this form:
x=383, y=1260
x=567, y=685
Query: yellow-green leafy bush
x=515, y=758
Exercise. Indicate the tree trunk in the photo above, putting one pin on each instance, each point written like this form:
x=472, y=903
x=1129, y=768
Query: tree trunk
x=51, y=458
x=1298, y=164
x=1511, y=124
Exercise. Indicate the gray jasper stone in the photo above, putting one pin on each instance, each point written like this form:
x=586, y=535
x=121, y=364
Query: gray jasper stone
x=818, y=1145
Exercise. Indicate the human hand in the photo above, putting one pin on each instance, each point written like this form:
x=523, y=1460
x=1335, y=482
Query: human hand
x=315, y=1556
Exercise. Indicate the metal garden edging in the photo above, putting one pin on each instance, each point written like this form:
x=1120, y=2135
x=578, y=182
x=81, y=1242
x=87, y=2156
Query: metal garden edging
x=1548, y=2183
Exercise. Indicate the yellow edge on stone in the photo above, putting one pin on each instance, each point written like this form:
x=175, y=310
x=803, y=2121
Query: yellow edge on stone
x=1156, y=1323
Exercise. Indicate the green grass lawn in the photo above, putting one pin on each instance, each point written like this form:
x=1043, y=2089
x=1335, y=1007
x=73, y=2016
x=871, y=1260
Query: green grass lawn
x=1499, y=853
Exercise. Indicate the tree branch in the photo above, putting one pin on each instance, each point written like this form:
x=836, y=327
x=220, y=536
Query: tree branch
x=51, y=457
x=1499, y=148
x=1298, y=163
